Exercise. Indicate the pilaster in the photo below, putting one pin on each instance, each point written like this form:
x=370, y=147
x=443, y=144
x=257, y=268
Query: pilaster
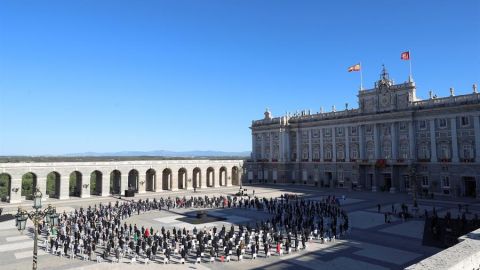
x=142, y=183
x=433, y=142
x=476, y=127
x=361, y=142
x=299, y=154
x=347, y=145
x=411, y=141
x=453, y=123
x=310, y=154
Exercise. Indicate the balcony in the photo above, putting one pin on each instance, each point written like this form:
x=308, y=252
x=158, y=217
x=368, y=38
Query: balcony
x=445, y=160
x=467, y=160
x=340, y=160
x=304, y=159
x=423, y=160
x=328, y=160
x=316, y=160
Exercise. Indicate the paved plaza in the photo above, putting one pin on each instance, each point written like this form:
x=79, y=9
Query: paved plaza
x=372, y=243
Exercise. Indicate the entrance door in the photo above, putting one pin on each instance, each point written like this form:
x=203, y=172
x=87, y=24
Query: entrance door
x=470, y=186
x=388, y=181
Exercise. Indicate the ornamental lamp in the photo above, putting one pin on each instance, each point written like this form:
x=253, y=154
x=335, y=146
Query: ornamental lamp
x=37, y=199
x=21, y=219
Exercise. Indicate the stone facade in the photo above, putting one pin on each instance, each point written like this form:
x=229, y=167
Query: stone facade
x=116, y=176
x=392, y=142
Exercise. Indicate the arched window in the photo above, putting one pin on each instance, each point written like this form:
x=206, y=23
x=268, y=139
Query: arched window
x=467, y=151
x=444, y=151
x=354, y=152
x=423, y=151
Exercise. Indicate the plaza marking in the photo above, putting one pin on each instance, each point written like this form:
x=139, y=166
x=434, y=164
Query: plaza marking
x=15, y=246
x=17, y=238
x=28, y=254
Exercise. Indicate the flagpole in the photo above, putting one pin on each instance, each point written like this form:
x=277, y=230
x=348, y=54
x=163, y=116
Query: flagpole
x=410, y=78
x=361, y=77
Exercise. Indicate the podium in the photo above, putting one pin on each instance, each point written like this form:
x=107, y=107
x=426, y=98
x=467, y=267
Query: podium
x=129, y=193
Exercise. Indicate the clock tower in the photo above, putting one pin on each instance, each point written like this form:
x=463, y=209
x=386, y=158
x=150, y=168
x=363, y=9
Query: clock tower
x=386, y=96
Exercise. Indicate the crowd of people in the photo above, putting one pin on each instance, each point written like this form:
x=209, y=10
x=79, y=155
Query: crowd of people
x=100, y=232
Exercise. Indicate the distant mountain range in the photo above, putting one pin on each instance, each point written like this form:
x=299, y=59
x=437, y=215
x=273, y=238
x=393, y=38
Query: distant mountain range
x=162, y=153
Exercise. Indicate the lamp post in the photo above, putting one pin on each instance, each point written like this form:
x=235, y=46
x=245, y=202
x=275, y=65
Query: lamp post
x=413, y=177
x=36, y=216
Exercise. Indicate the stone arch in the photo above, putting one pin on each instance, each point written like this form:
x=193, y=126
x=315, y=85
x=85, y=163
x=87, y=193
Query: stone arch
x=96, y=187
x=53, y=184
x=5, y=187
x=222, y=176
x=210, y=177
x=133, y=180
x=166, y=179
x=115, y=182
x=151, y=183
x=75, y=184
x=197, y=178
x=235, y=178
x=182, y=178
x=29, y=183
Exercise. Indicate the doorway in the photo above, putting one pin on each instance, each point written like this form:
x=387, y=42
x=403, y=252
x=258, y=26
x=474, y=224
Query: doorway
x=470, y=186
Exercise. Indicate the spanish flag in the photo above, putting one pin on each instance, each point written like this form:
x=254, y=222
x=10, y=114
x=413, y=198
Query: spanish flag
x=354, y=68
x=405, y=55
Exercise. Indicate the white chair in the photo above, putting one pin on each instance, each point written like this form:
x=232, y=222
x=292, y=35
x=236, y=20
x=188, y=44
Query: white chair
x=199, y=260
x=254, y=256
x=133, y=260
x=146, y=260
x=182, y=261
x=228, y=258
x=212, y=259
x=99, y=259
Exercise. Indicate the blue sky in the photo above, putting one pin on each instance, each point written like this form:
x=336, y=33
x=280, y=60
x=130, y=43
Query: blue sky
x=78, y=76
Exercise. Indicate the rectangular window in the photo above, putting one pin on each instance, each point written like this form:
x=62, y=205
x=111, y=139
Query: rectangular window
x=403, y=126
x=340, y=176
x=422, y=124
x=406, y=181
x=353, y=130
x=425, y=181
x=442, y=123
x=465, y=121
x=368, y=129
x=445, y=181
x=340, y=131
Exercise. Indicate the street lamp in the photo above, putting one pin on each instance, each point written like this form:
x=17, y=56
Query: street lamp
x=413, y=177
x=49, y=215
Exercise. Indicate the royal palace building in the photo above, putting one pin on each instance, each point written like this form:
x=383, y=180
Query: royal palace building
x=393, y=142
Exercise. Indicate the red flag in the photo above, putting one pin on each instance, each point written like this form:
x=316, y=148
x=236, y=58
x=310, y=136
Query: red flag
x=354, y=68
x=405, y=55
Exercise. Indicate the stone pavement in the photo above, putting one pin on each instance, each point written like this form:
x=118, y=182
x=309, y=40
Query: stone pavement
x=372, y=244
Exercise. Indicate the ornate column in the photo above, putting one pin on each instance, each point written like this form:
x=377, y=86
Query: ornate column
x=347, y=145
x=262, y=143
x=271, y=146
x=453, y=123
x=361, y=142
x=287, y=145
x=393, y=131
x=433, y=142
x=281, y=146
x=254, y=155
x=334, y=144
x=299, y=134
x=411, y=141
x=376, y=139
x=476, y=128
x=321, y=144
x=310, y=154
